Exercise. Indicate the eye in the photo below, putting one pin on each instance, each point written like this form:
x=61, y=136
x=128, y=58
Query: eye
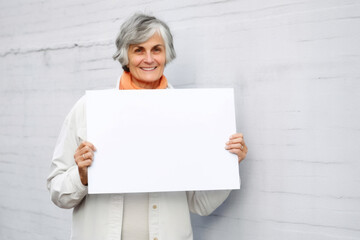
x=157, y=49
x=138, y=50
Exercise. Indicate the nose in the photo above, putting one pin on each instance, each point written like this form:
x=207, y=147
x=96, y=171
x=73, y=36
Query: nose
x=149, y=58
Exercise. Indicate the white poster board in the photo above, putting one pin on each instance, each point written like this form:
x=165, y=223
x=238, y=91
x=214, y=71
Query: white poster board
x=161, y=140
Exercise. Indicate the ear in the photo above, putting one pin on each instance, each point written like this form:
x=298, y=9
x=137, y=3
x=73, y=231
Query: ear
x=126, y=68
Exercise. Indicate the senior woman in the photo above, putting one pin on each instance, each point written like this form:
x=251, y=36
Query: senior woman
x=144, y=47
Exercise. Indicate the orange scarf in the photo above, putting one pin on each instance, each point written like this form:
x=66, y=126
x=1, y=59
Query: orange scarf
x=127, y=84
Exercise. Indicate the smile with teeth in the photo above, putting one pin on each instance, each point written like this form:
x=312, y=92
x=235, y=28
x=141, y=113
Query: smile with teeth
x=148, y=68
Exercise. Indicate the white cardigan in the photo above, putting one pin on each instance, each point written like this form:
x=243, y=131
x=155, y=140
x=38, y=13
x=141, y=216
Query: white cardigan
x=99, y=216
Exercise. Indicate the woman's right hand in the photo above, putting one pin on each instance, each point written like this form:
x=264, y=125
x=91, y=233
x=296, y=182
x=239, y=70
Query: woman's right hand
x=84, y=156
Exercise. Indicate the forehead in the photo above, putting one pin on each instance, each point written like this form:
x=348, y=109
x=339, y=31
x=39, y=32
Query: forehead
x=154, y=40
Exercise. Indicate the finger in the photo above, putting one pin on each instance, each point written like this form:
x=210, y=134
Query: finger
x=81, y=146
x=236, y=135
x=86, y=144
x=236, y=140
x=245, y=150
x=90, y=145
x=79, y=159
x=235, y=151
x=242, y=157
x=234, y=146
x=88, y=155
x=86, y=163
x=84, y=150
x=238, y=152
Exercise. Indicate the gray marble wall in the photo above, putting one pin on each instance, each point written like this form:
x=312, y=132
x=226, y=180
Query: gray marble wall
x=295, y=69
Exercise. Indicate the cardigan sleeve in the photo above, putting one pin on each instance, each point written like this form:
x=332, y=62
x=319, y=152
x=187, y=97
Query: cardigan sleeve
x=64, y=184
x=204, y=203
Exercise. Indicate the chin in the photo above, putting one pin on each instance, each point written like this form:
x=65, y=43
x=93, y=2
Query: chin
x=150, y=79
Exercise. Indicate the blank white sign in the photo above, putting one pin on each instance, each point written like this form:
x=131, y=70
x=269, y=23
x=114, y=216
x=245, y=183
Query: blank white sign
x=161, y=140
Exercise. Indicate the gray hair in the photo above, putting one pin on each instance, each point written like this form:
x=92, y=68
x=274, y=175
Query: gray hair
x=138, y=29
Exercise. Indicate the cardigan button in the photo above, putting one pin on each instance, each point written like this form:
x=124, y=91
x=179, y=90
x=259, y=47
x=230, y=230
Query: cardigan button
x=156, y=238
x=155, y=207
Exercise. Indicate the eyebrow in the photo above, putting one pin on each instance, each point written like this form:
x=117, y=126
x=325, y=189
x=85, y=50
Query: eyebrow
x=140, y=46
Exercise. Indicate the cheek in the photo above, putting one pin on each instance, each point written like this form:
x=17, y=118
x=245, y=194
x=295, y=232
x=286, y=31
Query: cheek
x=161, y=60
x=134, y=60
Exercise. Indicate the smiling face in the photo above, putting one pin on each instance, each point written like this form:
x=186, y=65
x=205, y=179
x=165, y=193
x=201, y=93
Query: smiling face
x=147, y=62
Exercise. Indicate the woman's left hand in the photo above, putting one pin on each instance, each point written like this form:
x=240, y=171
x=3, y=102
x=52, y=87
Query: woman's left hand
x=236, y=145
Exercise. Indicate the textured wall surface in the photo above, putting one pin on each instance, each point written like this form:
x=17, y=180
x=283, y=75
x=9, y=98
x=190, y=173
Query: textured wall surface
x=295, y=69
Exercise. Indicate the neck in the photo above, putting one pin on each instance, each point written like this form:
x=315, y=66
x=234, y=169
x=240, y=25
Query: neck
x=146, y=85
x=128, y=82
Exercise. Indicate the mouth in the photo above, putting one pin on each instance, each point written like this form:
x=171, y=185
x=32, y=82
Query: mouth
x=148, y=68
